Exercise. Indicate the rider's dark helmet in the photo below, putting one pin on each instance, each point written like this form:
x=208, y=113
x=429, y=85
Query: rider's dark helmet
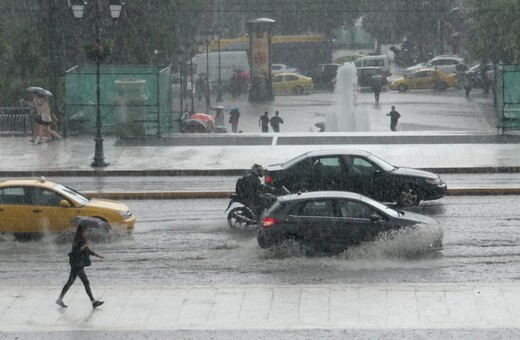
x=257, y=169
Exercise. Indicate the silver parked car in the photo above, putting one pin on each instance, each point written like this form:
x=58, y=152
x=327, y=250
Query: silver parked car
x=444, y=63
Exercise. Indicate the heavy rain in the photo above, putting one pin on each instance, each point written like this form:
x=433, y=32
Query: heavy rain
x=227, y=169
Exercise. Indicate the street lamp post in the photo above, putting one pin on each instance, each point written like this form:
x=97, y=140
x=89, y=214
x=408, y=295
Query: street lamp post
x=202, y=43
x=115, y=11
x=192, y=92
x=217, y=33
x=180, y=59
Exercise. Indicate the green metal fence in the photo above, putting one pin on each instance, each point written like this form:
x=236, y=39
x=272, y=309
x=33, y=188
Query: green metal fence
x=135, y=101
x=508, y=97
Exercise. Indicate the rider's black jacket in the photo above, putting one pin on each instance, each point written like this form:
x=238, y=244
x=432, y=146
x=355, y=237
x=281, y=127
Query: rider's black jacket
x=252, y=189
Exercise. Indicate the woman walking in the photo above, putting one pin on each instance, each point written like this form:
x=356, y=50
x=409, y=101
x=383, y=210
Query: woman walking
x=79, y=258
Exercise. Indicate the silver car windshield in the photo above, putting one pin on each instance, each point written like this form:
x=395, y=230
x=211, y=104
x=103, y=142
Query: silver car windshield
x=73, y=194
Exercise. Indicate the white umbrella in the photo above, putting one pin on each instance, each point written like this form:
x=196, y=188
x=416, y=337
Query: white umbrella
x=39, y=90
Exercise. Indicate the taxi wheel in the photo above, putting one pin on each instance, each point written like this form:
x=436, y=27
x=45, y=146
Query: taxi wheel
x=402, y=88
x=441, y=86
x=24, y=237
x=298, y=90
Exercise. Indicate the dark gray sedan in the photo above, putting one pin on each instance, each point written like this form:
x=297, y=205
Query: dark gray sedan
x=355, y=171
x=331, y=221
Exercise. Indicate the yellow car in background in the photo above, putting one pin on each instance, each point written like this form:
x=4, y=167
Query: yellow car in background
x=287, y=83
x=427, y=78
x=35, y=206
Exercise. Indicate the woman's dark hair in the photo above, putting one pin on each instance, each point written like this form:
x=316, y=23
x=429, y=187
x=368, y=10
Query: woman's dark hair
x=79, y=232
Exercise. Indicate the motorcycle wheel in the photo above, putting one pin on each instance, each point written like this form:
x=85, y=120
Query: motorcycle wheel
x=234, y=217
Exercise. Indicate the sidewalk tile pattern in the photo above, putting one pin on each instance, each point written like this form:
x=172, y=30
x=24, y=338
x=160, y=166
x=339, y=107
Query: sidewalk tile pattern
x=389, y=306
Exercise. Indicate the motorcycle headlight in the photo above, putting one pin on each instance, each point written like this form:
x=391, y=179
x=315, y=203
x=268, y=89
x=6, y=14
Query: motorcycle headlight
x=125, y=214
x=434, y=181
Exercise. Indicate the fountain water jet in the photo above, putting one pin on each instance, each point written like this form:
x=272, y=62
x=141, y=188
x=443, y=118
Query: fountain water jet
x=345, y=116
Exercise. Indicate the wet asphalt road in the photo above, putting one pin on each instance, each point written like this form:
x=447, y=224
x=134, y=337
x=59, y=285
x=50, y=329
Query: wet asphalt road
x=189, y=242
x=224, y=183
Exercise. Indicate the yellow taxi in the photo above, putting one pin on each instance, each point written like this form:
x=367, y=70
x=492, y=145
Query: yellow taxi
x=287, y=83
x=426, y=78
x=35, y=206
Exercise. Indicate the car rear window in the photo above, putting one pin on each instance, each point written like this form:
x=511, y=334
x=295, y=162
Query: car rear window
x=276, y=207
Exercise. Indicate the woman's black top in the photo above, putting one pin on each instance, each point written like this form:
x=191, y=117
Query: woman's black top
x=79, y=258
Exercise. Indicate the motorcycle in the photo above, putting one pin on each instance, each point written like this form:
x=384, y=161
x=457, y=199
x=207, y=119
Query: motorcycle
x=245, y=216
x=402, y=57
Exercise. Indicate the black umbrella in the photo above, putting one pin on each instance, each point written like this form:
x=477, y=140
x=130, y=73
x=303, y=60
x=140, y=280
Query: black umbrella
x=39, y=90
x=92, y=222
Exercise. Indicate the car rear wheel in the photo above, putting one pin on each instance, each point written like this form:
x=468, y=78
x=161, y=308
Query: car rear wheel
x=402, y=88
x=408, y=196
x=298, y=90
x=295, y=246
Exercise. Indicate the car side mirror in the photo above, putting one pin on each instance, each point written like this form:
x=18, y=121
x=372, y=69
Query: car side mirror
x=64, y=204
x=377, y=172
x=374, y=218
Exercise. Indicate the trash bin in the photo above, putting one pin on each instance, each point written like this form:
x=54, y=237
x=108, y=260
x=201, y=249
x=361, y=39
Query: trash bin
x=130, y=109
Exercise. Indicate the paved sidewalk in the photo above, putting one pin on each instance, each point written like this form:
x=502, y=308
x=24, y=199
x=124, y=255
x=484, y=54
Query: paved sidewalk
x=198, y=155
x=385, y=306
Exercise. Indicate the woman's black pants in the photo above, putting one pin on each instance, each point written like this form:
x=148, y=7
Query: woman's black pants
x=75, y=272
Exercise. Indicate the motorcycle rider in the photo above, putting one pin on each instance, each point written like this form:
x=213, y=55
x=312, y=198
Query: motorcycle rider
x=251, y=190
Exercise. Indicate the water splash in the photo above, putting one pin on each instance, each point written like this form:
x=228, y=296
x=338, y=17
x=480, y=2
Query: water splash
x=345, y=116
x=406, y=242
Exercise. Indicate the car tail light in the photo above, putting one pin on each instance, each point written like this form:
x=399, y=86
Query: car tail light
x=268, y=222
x=268, y=179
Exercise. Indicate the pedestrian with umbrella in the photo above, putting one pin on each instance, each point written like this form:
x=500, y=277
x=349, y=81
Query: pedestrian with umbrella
x=234, y=116
x=219, y=116
x=79, y=257
x=45, y=118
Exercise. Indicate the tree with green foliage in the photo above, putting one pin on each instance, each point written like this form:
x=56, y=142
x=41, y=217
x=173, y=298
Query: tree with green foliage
x=494, y=30
x=421, y=20
x=40, y=40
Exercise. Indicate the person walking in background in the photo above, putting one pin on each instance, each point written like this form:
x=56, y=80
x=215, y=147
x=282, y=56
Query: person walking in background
x=79, y=258
x=44, y=119
x=276, y=121
x=377, y=83
x=219, y=116
x=234, y=116
x=394, y=117
x=264, y=122
x=468, y=84
x=200, y=86
x=484, y=77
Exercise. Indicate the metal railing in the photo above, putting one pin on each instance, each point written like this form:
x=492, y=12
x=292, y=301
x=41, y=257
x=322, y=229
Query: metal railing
x=15, y=121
